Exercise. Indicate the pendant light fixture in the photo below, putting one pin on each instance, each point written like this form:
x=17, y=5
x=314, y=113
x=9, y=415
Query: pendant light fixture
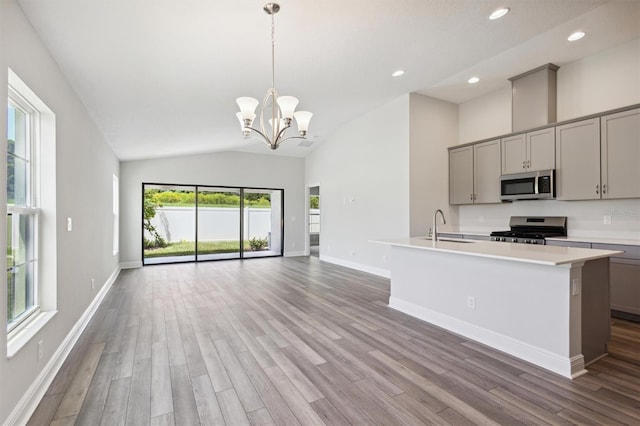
x=280, y=109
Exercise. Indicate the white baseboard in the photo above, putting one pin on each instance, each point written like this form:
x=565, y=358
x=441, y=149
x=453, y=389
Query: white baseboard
x=131, y=265
x=32, y=397
x=570, y=367
x=385, y=273
x=295, y=253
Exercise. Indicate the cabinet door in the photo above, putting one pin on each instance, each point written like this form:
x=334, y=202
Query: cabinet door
x=625, y=287
x=514, y=154
x=461, y=175
x=620, y=152
x=578, y=160
x=486, y=176
x=541, y=150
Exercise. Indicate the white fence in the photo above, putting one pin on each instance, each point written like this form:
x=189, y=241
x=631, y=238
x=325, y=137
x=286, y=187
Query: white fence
x=214, y=224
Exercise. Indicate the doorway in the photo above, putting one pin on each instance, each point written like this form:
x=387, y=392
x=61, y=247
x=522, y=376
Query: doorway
x=314, y=221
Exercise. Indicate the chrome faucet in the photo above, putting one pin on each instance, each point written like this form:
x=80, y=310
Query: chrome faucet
x=434, y=229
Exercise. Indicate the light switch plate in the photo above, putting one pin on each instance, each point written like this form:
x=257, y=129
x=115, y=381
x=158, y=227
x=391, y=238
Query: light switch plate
x=69, y=224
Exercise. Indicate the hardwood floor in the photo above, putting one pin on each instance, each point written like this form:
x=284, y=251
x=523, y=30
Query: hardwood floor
x=297, y=341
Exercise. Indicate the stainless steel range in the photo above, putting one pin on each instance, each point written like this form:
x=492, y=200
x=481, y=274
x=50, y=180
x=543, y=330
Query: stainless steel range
x=532, y=229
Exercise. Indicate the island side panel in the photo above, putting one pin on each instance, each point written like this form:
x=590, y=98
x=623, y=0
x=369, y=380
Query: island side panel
x=596, y=309
x=520, y=308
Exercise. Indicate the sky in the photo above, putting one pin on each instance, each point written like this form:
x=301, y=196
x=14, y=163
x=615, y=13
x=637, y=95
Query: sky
x=11, y=123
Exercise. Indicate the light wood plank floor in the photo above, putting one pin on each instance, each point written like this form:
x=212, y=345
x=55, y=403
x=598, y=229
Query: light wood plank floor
x=297, y=341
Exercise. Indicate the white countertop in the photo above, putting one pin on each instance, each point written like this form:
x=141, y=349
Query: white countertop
x=527, y=253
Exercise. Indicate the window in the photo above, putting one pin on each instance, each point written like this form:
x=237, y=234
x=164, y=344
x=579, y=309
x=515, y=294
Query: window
x=22, y=210
x=31, y=214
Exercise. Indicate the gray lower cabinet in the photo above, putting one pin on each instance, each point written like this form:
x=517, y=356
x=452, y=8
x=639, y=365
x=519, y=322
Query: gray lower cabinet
x=568, y=244
x=624, y=278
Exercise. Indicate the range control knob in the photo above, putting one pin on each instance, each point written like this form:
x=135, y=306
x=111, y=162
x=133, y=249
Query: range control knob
x=534, y=241
x=514, y=240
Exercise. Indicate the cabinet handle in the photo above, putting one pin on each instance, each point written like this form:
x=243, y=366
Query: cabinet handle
x=597, y=189
x=528, y=164
x=604, y=188
x=524, y=164
x=471, y=197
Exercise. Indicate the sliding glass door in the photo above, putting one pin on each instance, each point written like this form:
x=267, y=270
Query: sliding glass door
x=218, y=223
x=198, y=223
x=169, y=224
x=262, y=222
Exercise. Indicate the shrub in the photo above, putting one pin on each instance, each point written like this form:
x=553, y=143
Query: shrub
x=258, y=243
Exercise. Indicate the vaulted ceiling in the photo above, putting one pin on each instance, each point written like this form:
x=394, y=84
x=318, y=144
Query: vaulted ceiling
x=160, y=77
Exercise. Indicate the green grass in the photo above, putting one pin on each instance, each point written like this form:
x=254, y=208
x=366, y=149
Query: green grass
x=186, y=248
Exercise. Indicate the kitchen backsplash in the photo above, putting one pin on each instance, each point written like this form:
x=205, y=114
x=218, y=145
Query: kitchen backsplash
x=584, y=218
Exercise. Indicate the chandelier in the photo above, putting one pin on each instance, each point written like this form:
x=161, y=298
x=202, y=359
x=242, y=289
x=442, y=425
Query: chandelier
x=281, y=109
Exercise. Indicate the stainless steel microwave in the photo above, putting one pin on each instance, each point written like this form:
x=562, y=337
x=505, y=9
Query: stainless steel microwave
x=528, y=186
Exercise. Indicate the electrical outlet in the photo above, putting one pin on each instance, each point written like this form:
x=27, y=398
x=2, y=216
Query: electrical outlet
x=93, y=283
x=606, y=219
x=575, y=286
x=40, y=349
x=471, y=302
x=69, y=224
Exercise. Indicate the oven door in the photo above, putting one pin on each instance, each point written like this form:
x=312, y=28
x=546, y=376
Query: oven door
x=527, y=186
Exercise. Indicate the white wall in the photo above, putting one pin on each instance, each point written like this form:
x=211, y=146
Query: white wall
x=85, y=166
x=604, y=81
x=607, y=80
x=485, y=117
x=223, y=169
x=363, y=173
x=433, y=128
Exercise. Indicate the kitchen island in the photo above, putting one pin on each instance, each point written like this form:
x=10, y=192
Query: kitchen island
x=546, y=305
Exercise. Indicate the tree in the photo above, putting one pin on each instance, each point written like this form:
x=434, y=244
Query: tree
x=150, y=205
x=314, y=202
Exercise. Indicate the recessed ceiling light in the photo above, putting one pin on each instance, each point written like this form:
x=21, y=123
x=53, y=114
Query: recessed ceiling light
x=576, y=36
x=473, y=80
x=499, y=13
x=397, y=73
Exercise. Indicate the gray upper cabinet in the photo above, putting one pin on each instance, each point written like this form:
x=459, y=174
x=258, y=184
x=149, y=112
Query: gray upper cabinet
x=461, y=175
x=620, y=162
x=529, y=152
x=486, y=172
x=514, y=154
x=578, y=160
x=474, y=173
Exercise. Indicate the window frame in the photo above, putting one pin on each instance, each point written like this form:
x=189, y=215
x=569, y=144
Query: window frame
x=31, y=206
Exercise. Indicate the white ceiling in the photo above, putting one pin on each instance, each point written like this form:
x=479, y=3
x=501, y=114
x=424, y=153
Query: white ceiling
x=160, y=77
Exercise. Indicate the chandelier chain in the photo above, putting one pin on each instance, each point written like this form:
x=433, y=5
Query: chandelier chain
x=273, y=52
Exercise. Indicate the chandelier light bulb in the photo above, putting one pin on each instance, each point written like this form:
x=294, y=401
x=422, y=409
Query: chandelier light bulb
x=303, y=118
x=287, y=106
x=247, y=107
